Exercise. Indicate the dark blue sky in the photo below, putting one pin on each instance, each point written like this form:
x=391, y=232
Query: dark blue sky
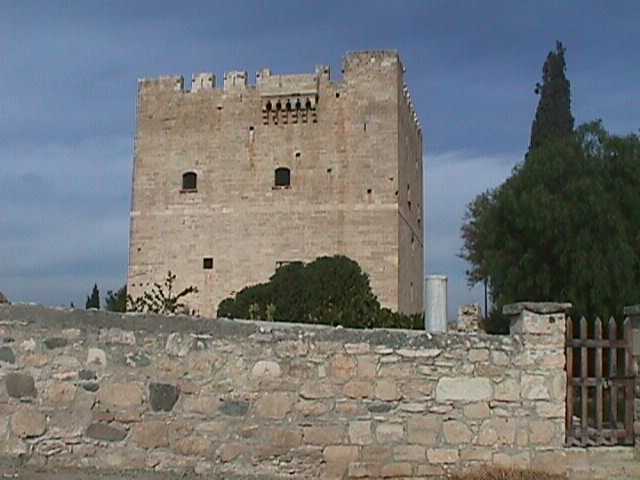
x=68, y=75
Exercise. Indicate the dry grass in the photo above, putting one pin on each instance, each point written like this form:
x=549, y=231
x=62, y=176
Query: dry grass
x=508, y=474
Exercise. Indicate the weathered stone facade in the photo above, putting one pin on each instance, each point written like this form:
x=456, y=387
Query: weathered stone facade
x=91, y=389
x=354, y=152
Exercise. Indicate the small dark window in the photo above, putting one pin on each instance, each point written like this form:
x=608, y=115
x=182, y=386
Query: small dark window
x=369, y=191
x=283, y=177
x=297, y=154
x=337, y=94
x=207, y=263
x=189, y=181
x=251, y=128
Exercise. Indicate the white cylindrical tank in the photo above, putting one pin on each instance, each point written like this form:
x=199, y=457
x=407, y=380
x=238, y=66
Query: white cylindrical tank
x=435, y=297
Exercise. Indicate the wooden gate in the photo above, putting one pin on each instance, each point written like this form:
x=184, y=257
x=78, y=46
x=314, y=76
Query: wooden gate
x=600, y=384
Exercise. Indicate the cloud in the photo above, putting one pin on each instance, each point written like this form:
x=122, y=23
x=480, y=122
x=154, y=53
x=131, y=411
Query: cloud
x=452, y=180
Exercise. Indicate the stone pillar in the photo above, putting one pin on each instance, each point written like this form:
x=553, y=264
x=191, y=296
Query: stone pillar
x=541, y=328
x=633, y=313
x=435, y=296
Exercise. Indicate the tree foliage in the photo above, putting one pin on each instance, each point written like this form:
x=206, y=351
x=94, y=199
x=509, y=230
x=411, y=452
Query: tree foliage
x=116, y=301
x=553, y=118
x=564, y=227
x=161, y=298
x=93, y=300
x=329, y=290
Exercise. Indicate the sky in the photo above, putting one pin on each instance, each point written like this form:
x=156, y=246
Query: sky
x=68, y=79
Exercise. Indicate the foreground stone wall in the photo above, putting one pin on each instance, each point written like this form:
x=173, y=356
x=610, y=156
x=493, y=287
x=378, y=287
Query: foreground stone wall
x=92, y=389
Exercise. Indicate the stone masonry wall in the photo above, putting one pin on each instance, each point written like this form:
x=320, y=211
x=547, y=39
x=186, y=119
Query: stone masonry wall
x=92, y=389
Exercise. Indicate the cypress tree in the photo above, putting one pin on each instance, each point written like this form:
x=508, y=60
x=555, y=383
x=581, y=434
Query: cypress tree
x=553, y=118
x=93, y=300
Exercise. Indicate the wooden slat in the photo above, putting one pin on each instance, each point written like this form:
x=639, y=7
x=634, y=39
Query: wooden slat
x=594, y=382
x=570, y=386
x=584, y=391
x=629, y=396
x=598, y=373
x=613, y=371
x=604, y=343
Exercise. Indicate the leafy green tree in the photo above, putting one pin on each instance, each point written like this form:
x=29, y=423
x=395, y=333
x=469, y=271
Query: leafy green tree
x=329, y=290
x=116, y=301
x=161, y=298
x=553, y=118
x=564, y=227
x=93, y=300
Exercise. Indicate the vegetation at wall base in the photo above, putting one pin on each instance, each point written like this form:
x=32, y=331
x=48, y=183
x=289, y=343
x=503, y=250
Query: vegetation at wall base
x=328, y=291
x=161, y=298
x=116, y=301
x=496, y=473
x=564, y=226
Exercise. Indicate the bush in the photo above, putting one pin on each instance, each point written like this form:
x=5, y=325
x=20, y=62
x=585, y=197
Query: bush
x=329, y=291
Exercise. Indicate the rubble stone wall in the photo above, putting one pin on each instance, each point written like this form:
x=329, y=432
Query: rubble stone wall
x=92, y=389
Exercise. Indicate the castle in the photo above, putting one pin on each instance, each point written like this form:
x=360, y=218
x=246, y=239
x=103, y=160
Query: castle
x=230, y=183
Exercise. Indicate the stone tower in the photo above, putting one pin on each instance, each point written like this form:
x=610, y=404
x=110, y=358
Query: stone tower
x=229, y=183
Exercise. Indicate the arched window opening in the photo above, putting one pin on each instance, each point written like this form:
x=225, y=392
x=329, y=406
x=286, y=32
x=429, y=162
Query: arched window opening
x=278, y=106
x=189, y=181
x=308, y=104
x=283, y=177
x=288, y=106
x=269, y=106
x=298, y=104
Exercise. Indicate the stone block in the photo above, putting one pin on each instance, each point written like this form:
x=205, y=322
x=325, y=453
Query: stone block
x=443, y=455
x=163, y=396
x=550, y=461
x=201, y=404
x=364, y=470
x=274, y=405
x=106, y=432
x=497, y=431
x=338, y=458
x=478, y=355
x=234, y=408
x=342, y=367
x=357, y=348
x=476, y=411
x=152, y=434
x=464, y=389
x=409, y=453
x=7, y=355
x=541, y=432
x=315, y=390
x=55, y=342
x=20, y=385
x=193, y=446
x=389, y=432
x=358, y=389
x=61, y=394
x=311, y=408
x=96, y=357
x=28, y=423
x=534, y=387
x=323, y=435
x=387, y=390
x=360, y=432
x=456, y=432
x=178, y=345
x=395, y=470
x=266, y=369
x=424, y=430
x=507, y=391
x=228, y=452
x=121, y=395
x=366, y=366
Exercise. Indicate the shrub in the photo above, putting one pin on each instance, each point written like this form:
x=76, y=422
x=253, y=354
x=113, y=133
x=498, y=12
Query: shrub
x=329, y=291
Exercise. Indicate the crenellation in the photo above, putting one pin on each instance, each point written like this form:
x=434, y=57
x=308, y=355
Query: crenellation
x=235, y=80
x=203, y=81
